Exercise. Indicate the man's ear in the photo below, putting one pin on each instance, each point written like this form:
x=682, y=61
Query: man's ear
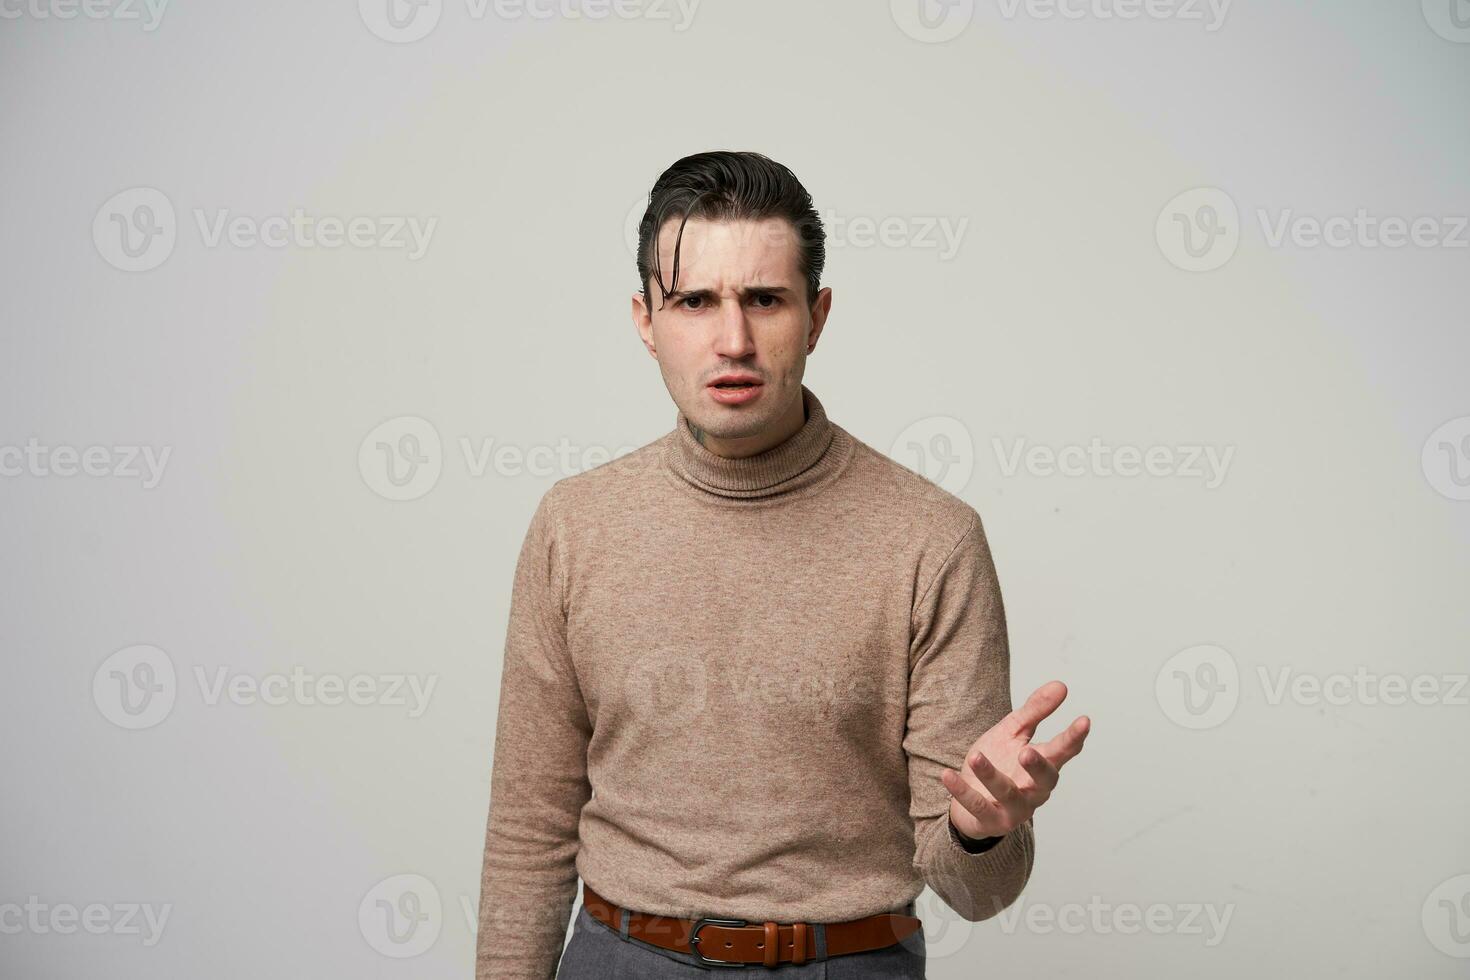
x=643, y=322
x=820, y=309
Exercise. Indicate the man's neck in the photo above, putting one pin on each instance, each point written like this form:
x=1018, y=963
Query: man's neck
x=787, y=426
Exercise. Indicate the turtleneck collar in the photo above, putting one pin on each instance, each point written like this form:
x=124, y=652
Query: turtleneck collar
x=816, y=450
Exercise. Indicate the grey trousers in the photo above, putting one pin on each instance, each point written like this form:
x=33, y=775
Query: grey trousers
x=597, y=952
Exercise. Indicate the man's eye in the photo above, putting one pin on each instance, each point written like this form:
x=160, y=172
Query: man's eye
x=774, y=300
x=690, y=299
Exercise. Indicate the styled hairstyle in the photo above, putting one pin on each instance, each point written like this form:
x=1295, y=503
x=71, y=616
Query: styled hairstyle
x=726, y=185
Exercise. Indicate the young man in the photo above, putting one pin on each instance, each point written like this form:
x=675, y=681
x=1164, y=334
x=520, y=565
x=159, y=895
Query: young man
x=756, y=689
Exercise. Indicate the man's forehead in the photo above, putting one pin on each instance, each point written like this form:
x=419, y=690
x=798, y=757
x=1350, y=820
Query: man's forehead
x=761, y=250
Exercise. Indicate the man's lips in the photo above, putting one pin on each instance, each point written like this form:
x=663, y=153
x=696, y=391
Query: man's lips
x=735, y=389
x=735, y=381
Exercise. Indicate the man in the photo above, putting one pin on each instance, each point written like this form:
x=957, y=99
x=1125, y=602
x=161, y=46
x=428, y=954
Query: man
x=756, y=688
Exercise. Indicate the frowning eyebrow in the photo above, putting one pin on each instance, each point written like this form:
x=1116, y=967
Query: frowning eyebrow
x=745, y=293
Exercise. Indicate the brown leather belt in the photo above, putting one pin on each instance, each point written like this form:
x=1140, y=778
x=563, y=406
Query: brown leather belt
x=735, y=942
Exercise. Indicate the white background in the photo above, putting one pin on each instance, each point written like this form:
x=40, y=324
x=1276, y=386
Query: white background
x=1330, y=833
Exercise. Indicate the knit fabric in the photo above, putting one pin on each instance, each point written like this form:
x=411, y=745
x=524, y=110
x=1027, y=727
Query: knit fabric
x=728, y=689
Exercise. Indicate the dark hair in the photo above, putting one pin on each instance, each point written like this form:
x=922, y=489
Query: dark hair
x=726, y=185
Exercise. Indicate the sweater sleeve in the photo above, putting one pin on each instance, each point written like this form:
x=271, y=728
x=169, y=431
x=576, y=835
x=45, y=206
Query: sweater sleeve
x=959, y=686
x=538, y=782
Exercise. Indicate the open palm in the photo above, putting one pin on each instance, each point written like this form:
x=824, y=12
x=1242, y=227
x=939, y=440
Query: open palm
x=1005, y=777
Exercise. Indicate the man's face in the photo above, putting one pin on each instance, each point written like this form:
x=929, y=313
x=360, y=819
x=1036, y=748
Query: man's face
x=739, y=308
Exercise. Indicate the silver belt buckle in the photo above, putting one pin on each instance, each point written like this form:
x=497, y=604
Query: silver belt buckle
x=694, y=939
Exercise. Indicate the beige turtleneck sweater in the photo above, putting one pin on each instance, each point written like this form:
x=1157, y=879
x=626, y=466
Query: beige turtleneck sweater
x=729, y=687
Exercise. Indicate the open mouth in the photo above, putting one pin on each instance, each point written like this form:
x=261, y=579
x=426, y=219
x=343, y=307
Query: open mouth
x=735, y=389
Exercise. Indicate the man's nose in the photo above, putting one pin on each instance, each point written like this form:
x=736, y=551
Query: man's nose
x=734, y=338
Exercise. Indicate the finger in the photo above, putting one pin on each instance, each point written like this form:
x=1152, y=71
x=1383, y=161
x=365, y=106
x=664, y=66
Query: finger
x=1043, y=774
x=1042, y=702
x=999, y=785
x=980, y=807
x=1064, y=748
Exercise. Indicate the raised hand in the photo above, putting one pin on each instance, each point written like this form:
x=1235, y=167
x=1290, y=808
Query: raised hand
x=1006, y=777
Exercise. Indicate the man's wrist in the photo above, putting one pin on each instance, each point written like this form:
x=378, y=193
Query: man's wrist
x=972, y=845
